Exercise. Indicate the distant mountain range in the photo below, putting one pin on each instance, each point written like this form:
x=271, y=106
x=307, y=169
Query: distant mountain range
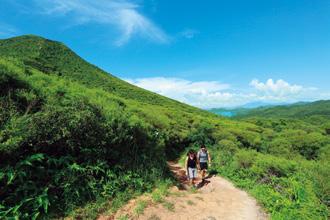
x=261, y=104
x=259, y=109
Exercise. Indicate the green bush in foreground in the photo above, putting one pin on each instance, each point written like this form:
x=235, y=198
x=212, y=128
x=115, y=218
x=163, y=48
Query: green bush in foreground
x=60, y=153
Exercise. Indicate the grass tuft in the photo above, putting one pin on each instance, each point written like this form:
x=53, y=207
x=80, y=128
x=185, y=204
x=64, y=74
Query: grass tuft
x=141, y=205
x=169, y=206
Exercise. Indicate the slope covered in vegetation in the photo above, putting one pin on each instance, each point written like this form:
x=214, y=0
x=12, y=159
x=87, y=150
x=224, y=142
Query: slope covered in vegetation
x=72, y=135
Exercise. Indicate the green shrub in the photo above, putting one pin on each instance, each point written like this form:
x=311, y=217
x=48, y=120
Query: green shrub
x=245, y=159
x=203, y=134
x=228, y=146
x=279, y=147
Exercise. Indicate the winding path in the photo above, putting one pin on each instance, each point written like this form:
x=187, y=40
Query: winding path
x=217, y=199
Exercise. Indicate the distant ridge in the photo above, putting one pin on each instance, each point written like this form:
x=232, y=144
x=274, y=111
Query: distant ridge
x=298, y=110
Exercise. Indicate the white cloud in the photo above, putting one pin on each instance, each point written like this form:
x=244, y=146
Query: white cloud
x=280, y=87
x=7, y=30
x=122, y=14
x=213, y=94
x=193, y=93
x=282, y=91
x=165, y=85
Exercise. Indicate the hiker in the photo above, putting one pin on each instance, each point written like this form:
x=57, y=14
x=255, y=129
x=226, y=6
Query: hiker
x=191, y=166
x=204, y=160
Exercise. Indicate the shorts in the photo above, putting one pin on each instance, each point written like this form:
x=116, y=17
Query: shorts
x=192, y=173
x=203, y=166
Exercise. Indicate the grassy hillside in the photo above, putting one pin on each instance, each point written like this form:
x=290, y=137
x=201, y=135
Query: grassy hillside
x=77, y=141
x=33, y=54
x=55, y=58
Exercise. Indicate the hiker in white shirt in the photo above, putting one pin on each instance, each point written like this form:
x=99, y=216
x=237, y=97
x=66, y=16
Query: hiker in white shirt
x=204, y=160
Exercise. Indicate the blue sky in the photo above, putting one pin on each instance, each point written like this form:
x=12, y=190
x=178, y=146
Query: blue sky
x=210, y=53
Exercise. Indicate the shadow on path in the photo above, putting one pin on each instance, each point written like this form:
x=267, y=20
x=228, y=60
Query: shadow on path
x=180, y=174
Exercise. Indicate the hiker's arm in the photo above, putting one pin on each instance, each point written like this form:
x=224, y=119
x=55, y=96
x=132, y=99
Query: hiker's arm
x=186, y=164
x=198, y=162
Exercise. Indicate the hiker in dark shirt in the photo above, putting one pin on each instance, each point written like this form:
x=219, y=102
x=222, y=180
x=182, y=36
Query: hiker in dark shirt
x=191, y=166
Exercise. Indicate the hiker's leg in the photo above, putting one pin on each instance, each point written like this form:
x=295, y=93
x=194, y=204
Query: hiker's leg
x=203, y=170
x=191, y=175
x=194, y=176
x=203, y=174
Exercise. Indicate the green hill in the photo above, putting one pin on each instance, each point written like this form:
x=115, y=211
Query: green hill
x=77, y=141
x=53, y=61
x=55, y=58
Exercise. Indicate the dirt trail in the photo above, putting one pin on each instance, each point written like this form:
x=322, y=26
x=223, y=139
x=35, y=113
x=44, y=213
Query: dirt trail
x=215, y=199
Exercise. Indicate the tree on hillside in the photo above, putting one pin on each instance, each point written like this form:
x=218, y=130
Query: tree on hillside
x=203, y=134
